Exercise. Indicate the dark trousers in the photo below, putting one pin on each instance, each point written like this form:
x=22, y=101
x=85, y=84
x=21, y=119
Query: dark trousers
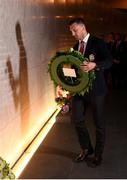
x=79, y=107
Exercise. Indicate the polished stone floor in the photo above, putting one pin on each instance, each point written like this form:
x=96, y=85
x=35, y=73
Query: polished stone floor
x=53, y=159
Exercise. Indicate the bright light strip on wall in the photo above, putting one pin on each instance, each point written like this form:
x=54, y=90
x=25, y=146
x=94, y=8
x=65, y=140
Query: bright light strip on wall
x=27, y=155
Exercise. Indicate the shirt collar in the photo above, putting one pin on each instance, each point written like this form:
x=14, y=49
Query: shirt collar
x=85, y=38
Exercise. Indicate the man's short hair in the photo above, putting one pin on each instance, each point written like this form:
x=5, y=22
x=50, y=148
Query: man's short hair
x=77, y=20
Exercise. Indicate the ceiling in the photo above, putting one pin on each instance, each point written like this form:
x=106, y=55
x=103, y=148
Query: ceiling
x=121, y=4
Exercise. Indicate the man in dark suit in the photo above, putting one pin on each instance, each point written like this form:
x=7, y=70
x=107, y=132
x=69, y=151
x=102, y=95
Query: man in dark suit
x=93, y=47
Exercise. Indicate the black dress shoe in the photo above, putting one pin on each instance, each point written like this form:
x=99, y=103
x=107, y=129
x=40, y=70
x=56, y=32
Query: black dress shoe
x=83, y=155
x=94, y=161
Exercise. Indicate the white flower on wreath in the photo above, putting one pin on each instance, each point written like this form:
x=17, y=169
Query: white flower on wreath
x=71, y=49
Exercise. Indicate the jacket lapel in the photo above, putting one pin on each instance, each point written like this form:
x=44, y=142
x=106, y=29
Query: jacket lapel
x=76, y=46
x=88, y=46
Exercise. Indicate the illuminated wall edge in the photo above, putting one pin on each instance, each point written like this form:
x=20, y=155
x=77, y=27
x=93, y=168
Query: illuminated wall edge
x=33, y=146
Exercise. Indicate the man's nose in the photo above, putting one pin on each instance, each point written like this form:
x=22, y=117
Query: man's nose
x=73, y=33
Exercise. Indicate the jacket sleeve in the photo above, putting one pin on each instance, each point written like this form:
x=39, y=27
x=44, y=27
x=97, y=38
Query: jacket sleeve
x=103, y=57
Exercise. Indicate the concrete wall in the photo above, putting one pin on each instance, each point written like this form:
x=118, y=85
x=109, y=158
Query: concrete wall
x=30, y=33
x=26, y=91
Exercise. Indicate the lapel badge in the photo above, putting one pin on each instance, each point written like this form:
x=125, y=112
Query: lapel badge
x=91, y=57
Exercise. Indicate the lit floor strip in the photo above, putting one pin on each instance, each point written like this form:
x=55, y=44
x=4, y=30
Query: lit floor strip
x=27, y=155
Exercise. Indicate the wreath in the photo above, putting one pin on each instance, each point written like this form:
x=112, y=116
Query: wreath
x=5, y=170
x=80, y=84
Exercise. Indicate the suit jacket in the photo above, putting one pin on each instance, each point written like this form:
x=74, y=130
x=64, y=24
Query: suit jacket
x=103, y=60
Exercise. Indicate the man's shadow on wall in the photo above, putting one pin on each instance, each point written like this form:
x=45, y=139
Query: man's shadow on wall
x=19, y=85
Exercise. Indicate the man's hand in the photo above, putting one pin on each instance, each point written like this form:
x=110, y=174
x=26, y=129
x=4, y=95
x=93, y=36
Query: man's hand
x=87, y=66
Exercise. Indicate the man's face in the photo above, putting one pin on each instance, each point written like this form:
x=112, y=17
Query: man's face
x=77, y=31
